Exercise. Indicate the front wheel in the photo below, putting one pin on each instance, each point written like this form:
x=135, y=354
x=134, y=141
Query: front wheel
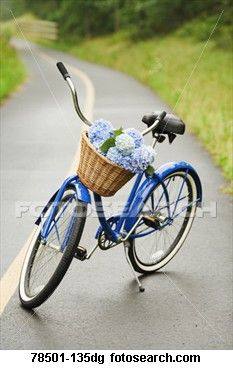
x=173, y=217
x=46, y=263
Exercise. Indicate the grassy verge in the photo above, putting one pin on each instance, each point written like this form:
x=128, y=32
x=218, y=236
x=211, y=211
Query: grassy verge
x=199, y=88
x=12, y=69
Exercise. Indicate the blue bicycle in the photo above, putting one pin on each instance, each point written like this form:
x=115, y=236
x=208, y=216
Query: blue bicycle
x=159, y=208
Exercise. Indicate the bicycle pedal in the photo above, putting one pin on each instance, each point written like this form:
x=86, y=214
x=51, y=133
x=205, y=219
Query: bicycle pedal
x=80, y=253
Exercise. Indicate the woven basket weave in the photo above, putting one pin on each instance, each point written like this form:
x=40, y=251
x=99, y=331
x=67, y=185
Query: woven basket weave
x=98, y=173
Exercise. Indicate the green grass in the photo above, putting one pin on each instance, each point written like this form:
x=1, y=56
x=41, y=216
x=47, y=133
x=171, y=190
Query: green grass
x=12, y=69
x=200, y=90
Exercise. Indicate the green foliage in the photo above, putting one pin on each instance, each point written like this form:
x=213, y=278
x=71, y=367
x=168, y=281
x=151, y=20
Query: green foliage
x=143, y=18
x=107, y=144
x=111, y=141
x=150, y=171
x=165, y=64
x=201, y=29
x=118, y=132
x=6, y=33
x=12, y=69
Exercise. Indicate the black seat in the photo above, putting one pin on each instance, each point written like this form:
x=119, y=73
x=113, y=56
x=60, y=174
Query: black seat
x=171, y=124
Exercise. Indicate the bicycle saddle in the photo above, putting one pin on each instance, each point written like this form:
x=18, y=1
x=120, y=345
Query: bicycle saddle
x=170, y=124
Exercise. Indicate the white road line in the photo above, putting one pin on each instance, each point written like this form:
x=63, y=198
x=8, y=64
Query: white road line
x=10, y=279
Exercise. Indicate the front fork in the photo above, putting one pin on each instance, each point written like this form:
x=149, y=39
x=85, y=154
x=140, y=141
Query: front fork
x=82, y=194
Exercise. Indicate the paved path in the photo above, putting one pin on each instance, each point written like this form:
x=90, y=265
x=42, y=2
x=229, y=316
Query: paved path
x=97, y=306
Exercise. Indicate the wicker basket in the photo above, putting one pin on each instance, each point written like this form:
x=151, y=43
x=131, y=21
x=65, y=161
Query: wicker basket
x=98, y=173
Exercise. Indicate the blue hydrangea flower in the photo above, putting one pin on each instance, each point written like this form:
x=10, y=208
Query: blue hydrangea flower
x=114, y=155
x=142, y=158
x=126, y=162
x=97, y=144
x=136, y=135
x=129, y=151
x=149, y=153
x=100, y=130
x=136, y=162
x=125, y=144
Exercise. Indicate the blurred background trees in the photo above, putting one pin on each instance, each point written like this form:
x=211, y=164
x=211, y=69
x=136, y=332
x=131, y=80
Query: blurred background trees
x=155, y=41
x=142, y=18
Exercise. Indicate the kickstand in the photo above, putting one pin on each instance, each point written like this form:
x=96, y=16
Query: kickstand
x=141, y=289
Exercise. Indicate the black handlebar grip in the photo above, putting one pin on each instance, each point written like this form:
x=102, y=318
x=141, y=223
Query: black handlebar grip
x=63, y=70
x=162, y=115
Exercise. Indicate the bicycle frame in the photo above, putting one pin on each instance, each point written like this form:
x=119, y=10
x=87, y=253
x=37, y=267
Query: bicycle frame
x=63, y=217
x=115, y=234
x=136, y=199
x=133, y=206
x=83, y=194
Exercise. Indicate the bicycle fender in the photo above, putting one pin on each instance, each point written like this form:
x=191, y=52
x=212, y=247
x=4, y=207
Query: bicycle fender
x=150, y=184
x=81, y=191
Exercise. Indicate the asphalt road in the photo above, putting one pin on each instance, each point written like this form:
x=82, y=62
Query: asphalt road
x=98, y=306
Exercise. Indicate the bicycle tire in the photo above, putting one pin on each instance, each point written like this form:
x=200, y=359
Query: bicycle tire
x=145, y=268
x=30, y=302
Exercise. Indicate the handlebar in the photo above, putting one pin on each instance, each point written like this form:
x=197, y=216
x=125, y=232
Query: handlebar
x=152, y=127
x=66, y=76
x=63, y=70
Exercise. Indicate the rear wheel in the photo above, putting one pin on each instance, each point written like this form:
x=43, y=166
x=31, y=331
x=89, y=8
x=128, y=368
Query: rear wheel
x=46, y=263
x=160, y=244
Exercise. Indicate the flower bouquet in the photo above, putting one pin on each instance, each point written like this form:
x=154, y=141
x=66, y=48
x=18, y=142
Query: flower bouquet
x=110, y=157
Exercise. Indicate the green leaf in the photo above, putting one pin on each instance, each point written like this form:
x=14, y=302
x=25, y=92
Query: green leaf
x=150, y=170
x=107, y=144
x=118, y=132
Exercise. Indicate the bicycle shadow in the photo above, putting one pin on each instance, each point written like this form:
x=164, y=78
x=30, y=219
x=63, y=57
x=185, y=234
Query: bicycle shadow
x=122, y=308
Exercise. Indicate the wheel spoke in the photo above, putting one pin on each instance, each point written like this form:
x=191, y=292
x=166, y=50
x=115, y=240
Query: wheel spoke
x=180, y=193
x=47, y=259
